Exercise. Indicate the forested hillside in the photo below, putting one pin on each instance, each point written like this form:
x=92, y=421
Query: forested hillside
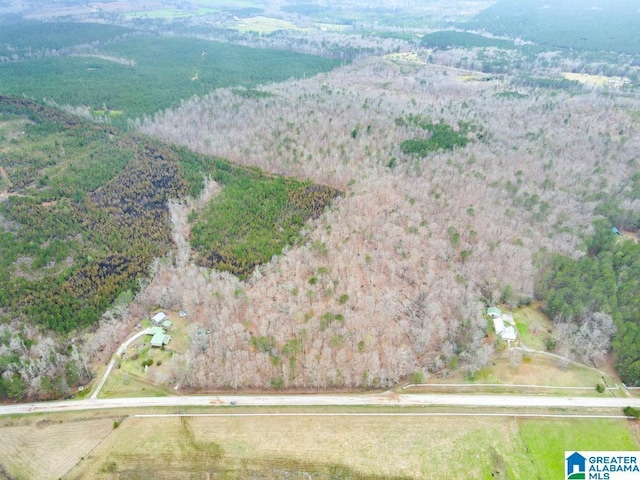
x=394, y=280
x=462, y=170
x=84, y=213
x=113, y=74
x=596, y=295
x=571, y=24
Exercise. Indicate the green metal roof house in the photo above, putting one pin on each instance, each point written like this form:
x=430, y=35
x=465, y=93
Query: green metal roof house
x=158, y=339
x=158, y=336
x=494, y=312
x=155, y=330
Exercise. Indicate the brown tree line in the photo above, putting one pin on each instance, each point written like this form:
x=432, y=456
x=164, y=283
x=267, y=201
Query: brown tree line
x=392, y=280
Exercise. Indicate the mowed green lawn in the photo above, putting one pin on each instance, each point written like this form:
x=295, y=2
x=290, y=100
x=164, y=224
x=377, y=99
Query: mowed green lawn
x=161, y=72
x=548, y=439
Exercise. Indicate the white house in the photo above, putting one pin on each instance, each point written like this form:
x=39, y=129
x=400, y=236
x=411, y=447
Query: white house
x=504, y=326
x=158, y=318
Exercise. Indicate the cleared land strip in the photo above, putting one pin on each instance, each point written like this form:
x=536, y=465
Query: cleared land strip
x=388, y=399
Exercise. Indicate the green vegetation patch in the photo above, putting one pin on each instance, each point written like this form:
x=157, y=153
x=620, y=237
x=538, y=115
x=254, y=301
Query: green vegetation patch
x=254, y=218
x=86, y=214
x=547, y=440
x=443, y=136
x=154, y=73
x=606, y=279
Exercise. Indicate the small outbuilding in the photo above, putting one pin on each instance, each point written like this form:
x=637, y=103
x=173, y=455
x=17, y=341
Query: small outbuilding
x=167, y=324
x=158, y=318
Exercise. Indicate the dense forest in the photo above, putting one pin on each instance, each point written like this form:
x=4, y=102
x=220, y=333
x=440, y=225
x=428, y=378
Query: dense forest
x=596, y=295
x=85, y=212
x=597, y=25
x=113, y=75
x=461, y=170
x=437, y=221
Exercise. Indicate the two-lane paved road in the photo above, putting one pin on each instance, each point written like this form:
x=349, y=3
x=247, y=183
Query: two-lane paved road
x=454, y=400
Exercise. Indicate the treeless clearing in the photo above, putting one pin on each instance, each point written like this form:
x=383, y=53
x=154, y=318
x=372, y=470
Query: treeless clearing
x=530, y=370
x=371, y=447
x=41, y=448
x=533, y=326
x=263, y=25
x=124, y=385
x=537, y=369
x=596, y=80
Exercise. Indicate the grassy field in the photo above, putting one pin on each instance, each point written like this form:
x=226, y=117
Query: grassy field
x=46, y=447
x=347, y=447
x=531, y=370
x=538, y=369
x=533, y=326
x=548, y=439
x=121, y=384
x=132, y=379
x=263, y=25
x=596, y=80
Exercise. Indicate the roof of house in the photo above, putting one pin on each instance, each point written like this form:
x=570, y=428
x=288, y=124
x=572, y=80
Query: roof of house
x=158, y=339
x=498, y=325
x=508, y=318
x=158, y=317
x=155, y=330
x=509, y=333
x=494, y=311
x=167, y=323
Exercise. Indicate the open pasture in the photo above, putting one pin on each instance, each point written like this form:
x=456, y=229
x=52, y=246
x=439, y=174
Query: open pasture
x=263, y=25
x=47, y=448
x=349, y=447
